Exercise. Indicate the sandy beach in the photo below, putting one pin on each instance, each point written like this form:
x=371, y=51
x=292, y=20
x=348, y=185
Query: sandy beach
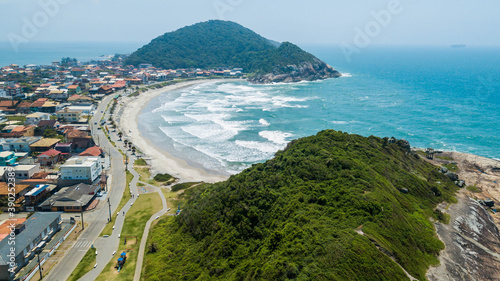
x=161, y=161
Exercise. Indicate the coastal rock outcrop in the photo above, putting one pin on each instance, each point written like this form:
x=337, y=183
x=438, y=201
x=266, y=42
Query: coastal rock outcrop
x=305, y=71
x=472, y=244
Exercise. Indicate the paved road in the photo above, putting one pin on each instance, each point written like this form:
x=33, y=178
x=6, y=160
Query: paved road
x=107, y=245
x=98, y=218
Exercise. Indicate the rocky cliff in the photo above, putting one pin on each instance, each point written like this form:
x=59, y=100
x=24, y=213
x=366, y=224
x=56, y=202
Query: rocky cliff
x=304, y=71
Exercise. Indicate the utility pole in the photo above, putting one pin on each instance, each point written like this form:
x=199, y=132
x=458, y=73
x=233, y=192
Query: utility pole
x=109, y=205
x=39, y=266
x=81, y=210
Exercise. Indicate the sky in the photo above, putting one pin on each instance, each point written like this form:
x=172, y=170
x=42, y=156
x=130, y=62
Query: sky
x=328, y=22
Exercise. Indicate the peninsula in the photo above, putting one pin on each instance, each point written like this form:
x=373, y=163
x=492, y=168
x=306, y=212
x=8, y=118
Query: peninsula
x=223, y=45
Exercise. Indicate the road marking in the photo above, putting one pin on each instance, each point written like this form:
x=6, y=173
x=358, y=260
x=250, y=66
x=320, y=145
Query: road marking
x=81, y=244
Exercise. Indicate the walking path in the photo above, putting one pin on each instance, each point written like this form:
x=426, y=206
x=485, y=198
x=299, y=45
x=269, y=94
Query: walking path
x=144, y=240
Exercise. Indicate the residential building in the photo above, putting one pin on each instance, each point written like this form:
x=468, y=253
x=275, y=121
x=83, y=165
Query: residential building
x=80, y=144
x=23, y=172
x=13, y=90
x=36, y=117
x=44, y=144
x=38, y=104
x=7, y=158
x=105, y=90
x=49, y=157
x=75, y=133
x=71, y=199
x=21, y=144
x=50, y=107
x=36, y=195
x=40, y=227
x=92, y=151
x=74, y=89
x=17, y=131
x=78, y=72
x=79, y=99
x=64, y=148
x=48, y=124
x=19, y=190
x=2, y=117
x=84, y=168
x=86, y=109
x=69, y=116
x=24, y=107
x=5, y=227
x=9, y=106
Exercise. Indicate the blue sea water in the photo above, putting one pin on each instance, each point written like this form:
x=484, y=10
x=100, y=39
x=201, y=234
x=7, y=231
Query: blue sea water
x=443, y=98
x=44, y=53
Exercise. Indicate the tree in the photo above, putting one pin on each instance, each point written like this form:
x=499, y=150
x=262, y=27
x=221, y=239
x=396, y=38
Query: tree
x=153, y=247
x=68, y=61
x=50, y=133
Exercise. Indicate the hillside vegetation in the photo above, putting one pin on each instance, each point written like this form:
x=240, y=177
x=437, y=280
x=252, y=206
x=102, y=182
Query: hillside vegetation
x=333, y=206
x=214, y=44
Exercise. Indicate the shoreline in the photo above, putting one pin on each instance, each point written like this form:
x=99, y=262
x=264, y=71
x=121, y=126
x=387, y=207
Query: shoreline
x=161, y=161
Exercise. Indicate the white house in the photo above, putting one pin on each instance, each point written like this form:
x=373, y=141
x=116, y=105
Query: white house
x=81, y=168
x=24, y=172
x=83, y=108
x=36, y=117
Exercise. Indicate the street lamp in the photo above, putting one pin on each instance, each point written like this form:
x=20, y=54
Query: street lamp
x=81, y=211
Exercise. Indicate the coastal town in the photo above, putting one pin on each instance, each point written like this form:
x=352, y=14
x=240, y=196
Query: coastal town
x=60, y=149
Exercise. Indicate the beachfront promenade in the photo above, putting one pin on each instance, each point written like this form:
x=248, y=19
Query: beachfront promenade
x=97, y=220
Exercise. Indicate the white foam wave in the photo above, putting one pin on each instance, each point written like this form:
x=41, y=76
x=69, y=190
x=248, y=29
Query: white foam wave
x=278, y=137
x=266, y=147
x=264, y=122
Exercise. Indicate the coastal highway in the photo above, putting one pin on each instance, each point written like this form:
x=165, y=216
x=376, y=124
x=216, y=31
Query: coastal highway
x=97, y=219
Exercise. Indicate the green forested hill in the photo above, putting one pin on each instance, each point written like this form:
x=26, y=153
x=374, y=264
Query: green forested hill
x=217, y=43
x=329, y=207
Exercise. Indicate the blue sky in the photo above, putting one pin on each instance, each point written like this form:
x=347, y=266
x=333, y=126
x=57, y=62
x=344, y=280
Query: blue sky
x=423, y=22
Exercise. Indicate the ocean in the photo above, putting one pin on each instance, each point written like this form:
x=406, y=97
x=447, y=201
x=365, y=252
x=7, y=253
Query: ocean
x=44, y=53
x=443, y=98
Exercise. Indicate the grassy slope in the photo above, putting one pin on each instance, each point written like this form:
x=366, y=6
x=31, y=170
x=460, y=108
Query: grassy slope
x=136, y=218
x=86, y=264
x=294, y=217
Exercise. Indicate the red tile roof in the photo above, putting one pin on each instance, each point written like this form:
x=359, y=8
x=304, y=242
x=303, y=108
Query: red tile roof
x=92, y=151
x=50, y=153
x=39, y=102
x=24, y=104
x=8, y=103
